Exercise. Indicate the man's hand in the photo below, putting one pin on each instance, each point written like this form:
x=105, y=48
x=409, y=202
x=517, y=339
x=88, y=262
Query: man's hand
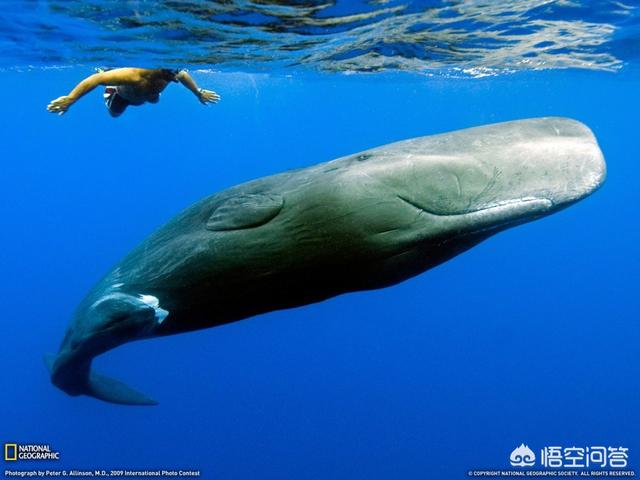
x=61, y=104
x=207, y=96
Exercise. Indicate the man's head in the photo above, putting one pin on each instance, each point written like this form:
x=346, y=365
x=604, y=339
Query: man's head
x=170, y=75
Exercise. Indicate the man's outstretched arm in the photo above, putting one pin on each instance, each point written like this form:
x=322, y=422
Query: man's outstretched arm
x=118, y=76
x=205, y=96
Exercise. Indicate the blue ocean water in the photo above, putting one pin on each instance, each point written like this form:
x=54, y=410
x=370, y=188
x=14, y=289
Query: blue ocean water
x=530, y=337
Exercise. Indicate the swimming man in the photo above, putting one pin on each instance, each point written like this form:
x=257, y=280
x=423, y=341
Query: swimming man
x=131, y=86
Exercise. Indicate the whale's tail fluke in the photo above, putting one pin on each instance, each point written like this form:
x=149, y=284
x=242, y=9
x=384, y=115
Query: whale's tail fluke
x=114, y=391
x=79, y=379
x=105, y=323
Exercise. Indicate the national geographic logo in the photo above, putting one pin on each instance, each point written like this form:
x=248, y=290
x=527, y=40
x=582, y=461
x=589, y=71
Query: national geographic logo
x=29, y=451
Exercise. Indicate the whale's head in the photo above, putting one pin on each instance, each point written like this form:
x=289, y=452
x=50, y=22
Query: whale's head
x=433, y=197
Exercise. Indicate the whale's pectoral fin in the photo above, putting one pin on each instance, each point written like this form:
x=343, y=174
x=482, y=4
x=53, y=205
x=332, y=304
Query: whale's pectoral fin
x=114, y=391
x=245, y=211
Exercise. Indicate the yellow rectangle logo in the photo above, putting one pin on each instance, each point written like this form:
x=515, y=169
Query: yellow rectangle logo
x=10, y=451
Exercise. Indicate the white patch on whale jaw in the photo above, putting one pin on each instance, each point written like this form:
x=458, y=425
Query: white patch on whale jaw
x=154, y=303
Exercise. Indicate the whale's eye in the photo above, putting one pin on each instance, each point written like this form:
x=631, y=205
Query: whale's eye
x=364, y=156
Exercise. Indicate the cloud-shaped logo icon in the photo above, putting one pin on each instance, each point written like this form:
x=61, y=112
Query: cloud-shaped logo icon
x=522, y=456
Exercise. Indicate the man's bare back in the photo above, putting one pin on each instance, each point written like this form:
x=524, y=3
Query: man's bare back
x=131, y=86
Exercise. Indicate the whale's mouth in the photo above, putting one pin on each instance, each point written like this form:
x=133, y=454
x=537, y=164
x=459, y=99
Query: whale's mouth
x=513, y=205
x=496, y=216
x=506, y=214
